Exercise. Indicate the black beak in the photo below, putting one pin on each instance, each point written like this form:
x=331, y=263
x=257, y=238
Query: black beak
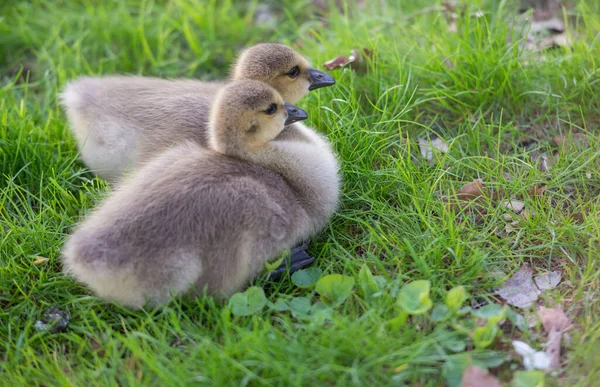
x=295, y=114
x=319, y=79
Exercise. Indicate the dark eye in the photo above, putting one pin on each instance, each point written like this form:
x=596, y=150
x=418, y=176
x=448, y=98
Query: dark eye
x=271, y=109
x=293, y=73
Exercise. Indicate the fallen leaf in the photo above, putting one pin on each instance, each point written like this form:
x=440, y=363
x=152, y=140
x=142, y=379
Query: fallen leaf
x=357, y=60
x=538, y=190
x=544, y=167
x=471, y=191
x=428, y=147
x=532, y=359
x=526, y=215
x=548, y=281
x=519, y=290
x=577, y=139
x=40, y=260
x=337, y=62
x=555, y=322
x=578, y=217
x=515, y=205
x=476, y=377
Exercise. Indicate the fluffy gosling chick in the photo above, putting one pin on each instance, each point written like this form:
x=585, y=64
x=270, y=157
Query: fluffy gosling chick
x=209, y=218
x=120, y=121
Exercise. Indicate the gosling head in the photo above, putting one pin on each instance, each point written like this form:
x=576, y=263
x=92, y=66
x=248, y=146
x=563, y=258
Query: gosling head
x=246, y=115
x=282, y=68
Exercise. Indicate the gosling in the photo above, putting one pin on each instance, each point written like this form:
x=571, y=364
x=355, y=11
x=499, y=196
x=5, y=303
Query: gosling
x=195, y=219
x=121, y=121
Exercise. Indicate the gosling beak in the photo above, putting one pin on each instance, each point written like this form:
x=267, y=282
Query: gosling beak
x=295, y=114
x=319, y=79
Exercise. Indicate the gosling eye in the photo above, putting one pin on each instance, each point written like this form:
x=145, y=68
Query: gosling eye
x=271, y=109
x=293, y=73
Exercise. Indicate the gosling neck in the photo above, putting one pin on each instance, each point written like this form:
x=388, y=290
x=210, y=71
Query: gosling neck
x=310, y=170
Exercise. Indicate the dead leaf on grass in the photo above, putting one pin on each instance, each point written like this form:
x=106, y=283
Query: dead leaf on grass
x=519, y=290
x=575, y=140
x=526, y=214
x=429, y=147
x=511, y=227
x=545, y=27
x=522, y=290
x=549, y=280
x=40, y=260
x=471, y=191
x=514, y=205
x=357, y=60
x=555, y=323
x=472, y=196
x=337, y=62
x=544, y=167
x=538, y=190
x=476, y=377
x=578, y=217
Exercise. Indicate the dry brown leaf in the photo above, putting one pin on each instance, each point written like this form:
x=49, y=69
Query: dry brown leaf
x=40, y=260
x=526, y=214
x=471, y=196
x=578, y=217
x=514, y=205
x=544, y=167
x=471, y=191
x=538, y=190
x=577, y=139
x=555, y=322
x=358, y=60
x=336, y=63
x=478, y=377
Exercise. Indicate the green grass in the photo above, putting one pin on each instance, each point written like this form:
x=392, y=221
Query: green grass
x=484, y=96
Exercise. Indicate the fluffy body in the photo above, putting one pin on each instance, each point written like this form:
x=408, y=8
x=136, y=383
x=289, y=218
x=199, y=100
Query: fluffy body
x=209, y=218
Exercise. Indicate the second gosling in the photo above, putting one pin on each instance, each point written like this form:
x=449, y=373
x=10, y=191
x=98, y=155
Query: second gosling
x=209, y=218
